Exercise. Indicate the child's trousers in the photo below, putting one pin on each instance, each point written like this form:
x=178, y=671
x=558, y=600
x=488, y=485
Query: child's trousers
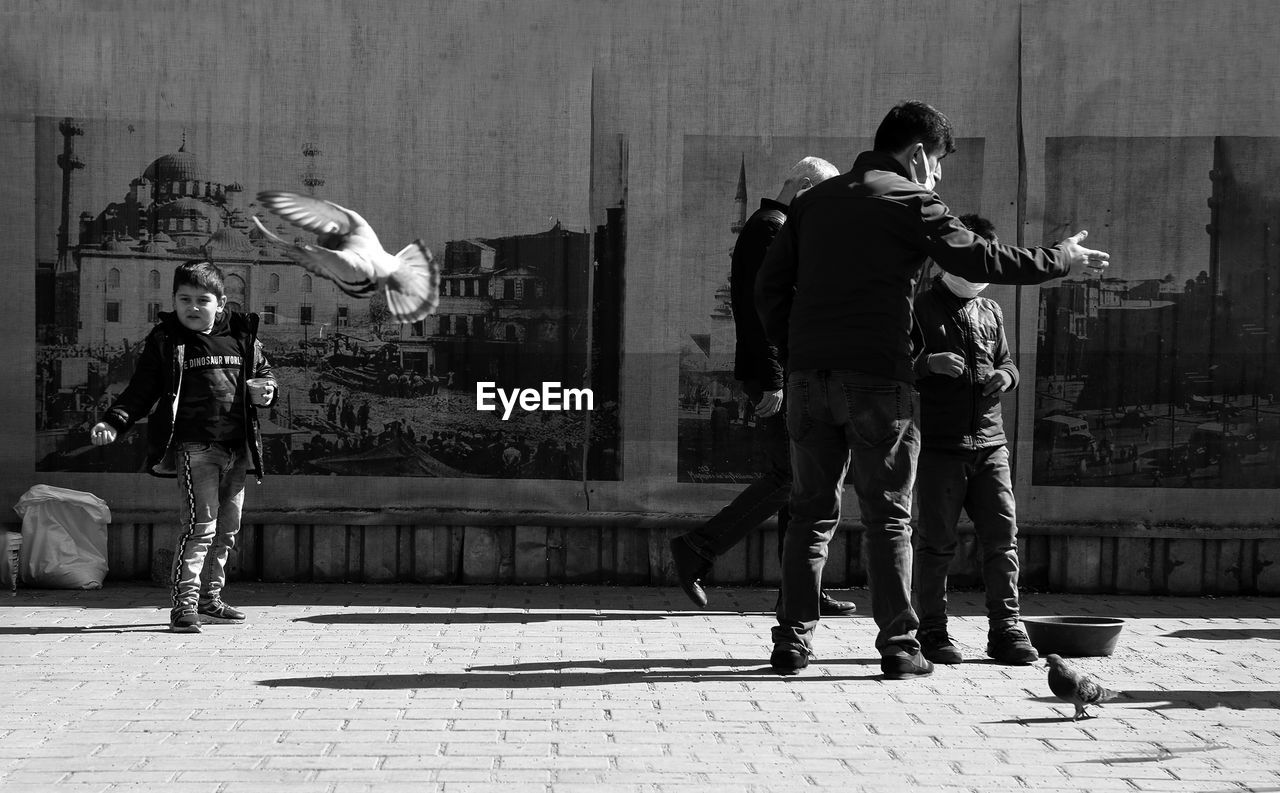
x=211, y=483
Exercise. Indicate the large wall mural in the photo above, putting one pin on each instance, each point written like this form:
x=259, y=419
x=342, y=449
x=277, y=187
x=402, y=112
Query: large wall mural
x=120, y=205
x=1164, y=373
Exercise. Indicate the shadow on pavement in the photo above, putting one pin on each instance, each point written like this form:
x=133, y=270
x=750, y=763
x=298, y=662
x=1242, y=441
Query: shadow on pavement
x=478, y=617
x=561, y=674
x=1189, y=699
x=65, y=629
x=1225, y=634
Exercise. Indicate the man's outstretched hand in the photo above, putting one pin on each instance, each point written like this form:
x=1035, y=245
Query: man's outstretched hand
x=1094, y=262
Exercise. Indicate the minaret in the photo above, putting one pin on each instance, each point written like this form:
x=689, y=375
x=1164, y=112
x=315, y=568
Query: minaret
x=740, y=201
x=68, y=162
x=66, y=277
x=722, y=328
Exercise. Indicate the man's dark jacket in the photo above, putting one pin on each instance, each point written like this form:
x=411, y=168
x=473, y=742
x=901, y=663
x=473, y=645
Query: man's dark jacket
x=157, y=382
x=954, y=415
x=756, y=361
x=835, y=288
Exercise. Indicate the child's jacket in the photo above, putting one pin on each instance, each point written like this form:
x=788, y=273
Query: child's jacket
x=157, y=382
x=953, y=412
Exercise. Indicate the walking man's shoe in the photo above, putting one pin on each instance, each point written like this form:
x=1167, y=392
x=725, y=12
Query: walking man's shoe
x=184, y=620
x=830, y=607
x=219, y=612
x=900, y=665
x=787, y=659
x=1009, y=645
x=937, y=646
x=690, y=568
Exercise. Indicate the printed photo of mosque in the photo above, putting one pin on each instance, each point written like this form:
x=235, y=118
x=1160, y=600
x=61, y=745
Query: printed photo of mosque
x=360, y=395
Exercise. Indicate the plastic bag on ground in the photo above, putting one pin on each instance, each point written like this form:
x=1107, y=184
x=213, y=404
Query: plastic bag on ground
x=64, y=538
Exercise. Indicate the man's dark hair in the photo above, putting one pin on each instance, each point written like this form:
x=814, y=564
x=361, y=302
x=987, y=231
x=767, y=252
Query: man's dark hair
x=914, y=122
x=201, y=274
x=979, y=225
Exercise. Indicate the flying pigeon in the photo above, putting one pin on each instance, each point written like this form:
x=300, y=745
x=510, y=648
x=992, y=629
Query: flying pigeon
x=1078, y=689
x=348, y=253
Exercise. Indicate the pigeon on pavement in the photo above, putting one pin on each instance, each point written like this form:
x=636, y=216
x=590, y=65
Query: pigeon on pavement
x=347, y=252
x=1072, y=686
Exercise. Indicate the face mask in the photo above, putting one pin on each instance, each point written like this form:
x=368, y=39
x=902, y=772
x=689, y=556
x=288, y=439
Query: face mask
x=921, y=173
x=962, y=288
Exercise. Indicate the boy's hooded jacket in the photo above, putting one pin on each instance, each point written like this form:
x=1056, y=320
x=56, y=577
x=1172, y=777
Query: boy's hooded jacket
x=954, y=413
x=157, y=382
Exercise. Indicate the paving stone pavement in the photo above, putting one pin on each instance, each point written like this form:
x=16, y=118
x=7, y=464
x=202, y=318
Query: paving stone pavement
x=344, y=688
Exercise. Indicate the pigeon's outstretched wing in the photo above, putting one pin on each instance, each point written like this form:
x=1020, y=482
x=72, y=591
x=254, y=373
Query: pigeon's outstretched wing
x=307, y=213
x=1079, y=689
x=349, y=254
x=352, y=274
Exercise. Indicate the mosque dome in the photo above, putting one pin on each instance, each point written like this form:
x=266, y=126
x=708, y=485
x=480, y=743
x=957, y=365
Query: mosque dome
x=181, y=166
x=187, y=208
x=229, y=240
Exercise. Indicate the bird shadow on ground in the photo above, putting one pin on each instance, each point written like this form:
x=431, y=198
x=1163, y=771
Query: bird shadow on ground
x=1037, y=720
x=1190, y=699
x=39, y=630
x=566, y=674
x=1225, y=634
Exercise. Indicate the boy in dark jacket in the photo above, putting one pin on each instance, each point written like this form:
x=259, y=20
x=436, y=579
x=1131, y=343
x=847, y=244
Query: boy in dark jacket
x=203, y=371
x=964, y=462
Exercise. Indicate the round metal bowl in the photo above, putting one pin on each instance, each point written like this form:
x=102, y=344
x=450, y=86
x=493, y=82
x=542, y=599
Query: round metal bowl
x=1074, y=636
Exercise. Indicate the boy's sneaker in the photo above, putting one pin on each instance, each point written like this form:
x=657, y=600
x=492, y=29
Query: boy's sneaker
x=219, y=612
x=184, y=620
x=1008, y=644
x=899, y=665
x=938, y=647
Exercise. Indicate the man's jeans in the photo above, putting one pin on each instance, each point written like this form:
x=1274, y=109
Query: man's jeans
x=840, y=419
x=980, y=483
x=211, y=480
x=763, y=498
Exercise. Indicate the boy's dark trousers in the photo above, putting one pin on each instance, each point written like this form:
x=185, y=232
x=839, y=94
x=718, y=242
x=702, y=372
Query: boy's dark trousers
x=980, y=483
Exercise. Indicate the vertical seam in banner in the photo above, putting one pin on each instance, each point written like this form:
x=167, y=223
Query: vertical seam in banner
x=591, y=299
x=1021, y=218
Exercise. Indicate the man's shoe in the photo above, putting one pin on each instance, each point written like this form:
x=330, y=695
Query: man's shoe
x=787, y=659
x=830, y=607
x=690, y=567
x=938, y=647
x=1009, y=645
x=900, y=665
x=219, y=612
x=184, y=620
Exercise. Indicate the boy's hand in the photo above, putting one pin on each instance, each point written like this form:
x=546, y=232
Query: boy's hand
x=1000, y=380
x=261, y=390
x=102, y=434
x=946, y=363
x=769, y=403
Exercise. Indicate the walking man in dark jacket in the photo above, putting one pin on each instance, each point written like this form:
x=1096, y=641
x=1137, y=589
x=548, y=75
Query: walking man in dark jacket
x=758, y=367
x=835, y=293
x=964, y=463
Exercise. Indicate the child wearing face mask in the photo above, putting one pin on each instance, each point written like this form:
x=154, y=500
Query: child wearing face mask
x=964, y=462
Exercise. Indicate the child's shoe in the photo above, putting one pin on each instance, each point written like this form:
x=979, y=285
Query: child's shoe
x=218, y=612
x=184, y=620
